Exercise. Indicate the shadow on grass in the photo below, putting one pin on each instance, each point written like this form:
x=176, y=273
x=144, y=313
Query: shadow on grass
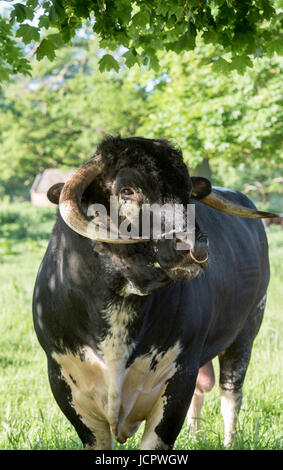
x=6, y=361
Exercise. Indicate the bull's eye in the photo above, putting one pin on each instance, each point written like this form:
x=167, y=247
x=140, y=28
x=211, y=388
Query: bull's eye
x=127, y=191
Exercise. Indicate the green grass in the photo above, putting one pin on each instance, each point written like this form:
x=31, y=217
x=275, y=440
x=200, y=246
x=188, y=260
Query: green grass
x=29, y=416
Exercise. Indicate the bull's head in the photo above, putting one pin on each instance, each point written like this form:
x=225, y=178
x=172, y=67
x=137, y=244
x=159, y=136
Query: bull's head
x=139, y=171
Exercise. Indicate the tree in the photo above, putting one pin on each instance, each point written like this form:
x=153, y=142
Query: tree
x=241, y=29
x=236, y=122
x=56, y=118
x=211, y=115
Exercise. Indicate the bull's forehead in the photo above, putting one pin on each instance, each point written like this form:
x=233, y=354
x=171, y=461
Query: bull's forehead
x=153, y=186
x=152, y=158
x=138, y=178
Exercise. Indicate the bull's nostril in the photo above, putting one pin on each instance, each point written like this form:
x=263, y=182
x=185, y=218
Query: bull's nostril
x=197, y=251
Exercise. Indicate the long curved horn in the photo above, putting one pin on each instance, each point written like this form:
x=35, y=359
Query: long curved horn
x=224, y=205
x=71, y=210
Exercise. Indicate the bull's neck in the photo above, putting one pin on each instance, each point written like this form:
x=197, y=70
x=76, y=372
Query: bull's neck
x=86, y=276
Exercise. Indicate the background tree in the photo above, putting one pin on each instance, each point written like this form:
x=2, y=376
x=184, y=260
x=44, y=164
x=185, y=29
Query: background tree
x=233, y=122
x=236, y=119
x=57, y=117
x=228, y=122
x=241, y=29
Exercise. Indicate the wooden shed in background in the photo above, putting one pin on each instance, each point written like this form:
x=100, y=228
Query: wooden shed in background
x=43, y=181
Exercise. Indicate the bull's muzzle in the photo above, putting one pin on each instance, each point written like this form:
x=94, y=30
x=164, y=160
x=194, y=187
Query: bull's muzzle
x=198, y=251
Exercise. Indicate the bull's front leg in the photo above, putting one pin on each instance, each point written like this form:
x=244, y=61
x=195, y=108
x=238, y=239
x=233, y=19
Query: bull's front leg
x=94, y=433
x=169, y=412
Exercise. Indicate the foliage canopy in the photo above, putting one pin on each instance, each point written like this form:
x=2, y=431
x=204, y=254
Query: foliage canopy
x=241, y=29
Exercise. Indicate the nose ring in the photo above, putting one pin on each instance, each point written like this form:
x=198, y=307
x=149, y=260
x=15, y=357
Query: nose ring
x=196, y=260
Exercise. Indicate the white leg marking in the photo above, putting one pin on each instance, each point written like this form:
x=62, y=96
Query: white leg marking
x=153, y=442
x=230, y=406
x=193, y=417
x=103, y=437
x=150, y=440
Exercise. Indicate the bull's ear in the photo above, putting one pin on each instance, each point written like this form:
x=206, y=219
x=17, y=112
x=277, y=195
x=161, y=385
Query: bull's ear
x=201, y=187
x=54, y=192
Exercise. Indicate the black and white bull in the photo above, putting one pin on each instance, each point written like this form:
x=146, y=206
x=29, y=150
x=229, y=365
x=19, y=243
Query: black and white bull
x=130, y=329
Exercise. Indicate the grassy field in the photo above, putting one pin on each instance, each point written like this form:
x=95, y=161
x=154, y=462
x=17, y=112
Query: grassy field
x=29, y=416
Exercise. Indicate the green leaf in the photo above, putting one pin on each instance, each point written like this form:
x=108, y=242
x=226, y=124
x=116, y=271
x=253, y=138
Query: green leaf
x=19, y=12
x=186, y=42
x=275, y=46
x=240, y=63
x=210, y=37
x=107, y=62
x=4, y=73
x=23, y=66
x=124, y=10
x=162, y=9
x=154, y=63
x=56, y=38
x=81, y=10
x=32, y=3
x=43, y=22
x=59, y=8
x=141, y=19
x=52, y=15
x=268, y=9
x=221, y=65
x=46, y=49
x=131, y=58
x=29, y=13
x=66, y=32
x=28, y=33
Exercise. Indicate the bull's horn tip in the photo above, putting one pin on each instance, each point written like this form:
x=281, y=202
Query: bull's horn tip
x=268, y=215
